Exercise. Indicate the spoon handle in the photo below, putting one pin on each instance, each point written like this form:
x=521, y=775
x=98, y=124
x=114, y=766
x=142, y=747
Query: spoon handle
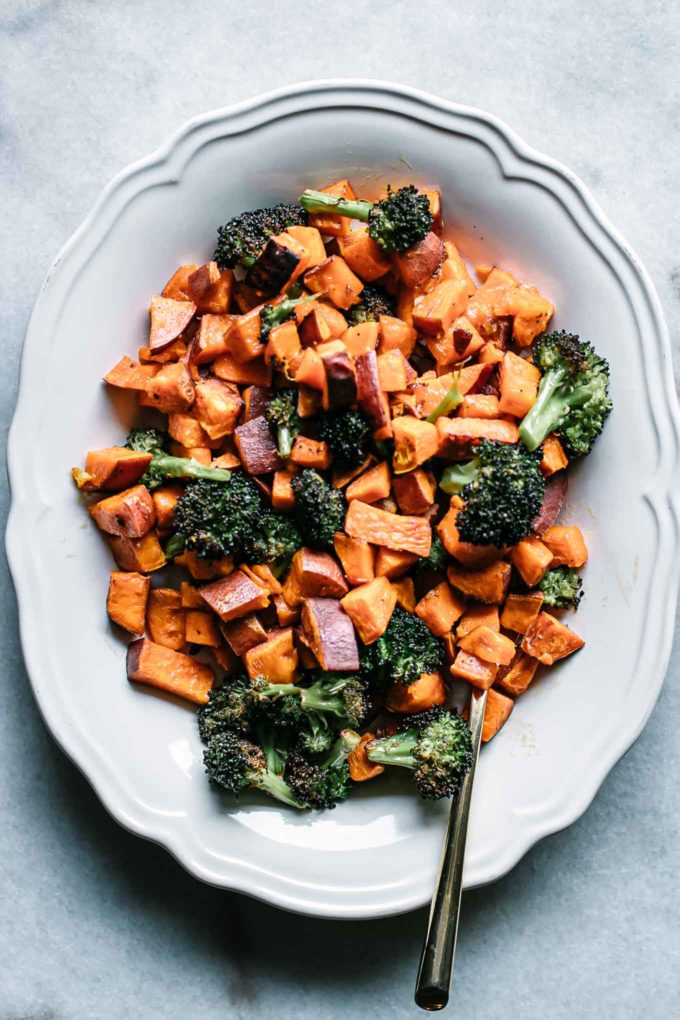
x=436, y=961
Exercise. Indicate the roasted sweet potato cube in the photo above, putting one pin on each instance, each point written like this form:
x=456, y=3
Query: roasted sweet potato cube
x=393, y=563
x=166, y=618
x=202, y=629
x=250, y=373
x=414, y=491
x=130, y=513
x=458, y=436
x=361, y=768
x=567, y=546
x=211, y=340
x=454, y=268
x=393, y=371
x=396, y=531
x=244, y=634
x=363, y=255
x=187, y=431
x=370, y=608
x=210, y=288
x=112, y=468
x=217, y=407
x=440, y=608
x=177, y=286
x=473, y=669
x=340, y=382
x=415, y=442
x=434, y=311
x=531, y=557
x=313, y=574
x=370, y=397
x=314, y=329
x=418, y=264
x=262, y=574
x=126, y=600
x=425, y=692
x=554, y=458
x=128, y=374
x=404, y=589
x=357, y=558
x=283, y=345
x=477, y=616
x=283, y=497
x=330, y=634
x=140, y=554
x=191, y=597
x=276, y=658
x=235, y=595
x=489, y=645
x=372, y=485
x=310, y=453
x=518, y=675
x=520, y=611
x=174, y=672
x=479, y=405
x=169, y=318
x=553, y=500
x=498, y=709
x=171, y=390
x=549, y=640
x=310, y=239
x=257, y=448
x=518, y=380
x=204, y=570
x=487, y=585
x=255, y=400
x=396, y=335
x=164, y=501
x=340, y=285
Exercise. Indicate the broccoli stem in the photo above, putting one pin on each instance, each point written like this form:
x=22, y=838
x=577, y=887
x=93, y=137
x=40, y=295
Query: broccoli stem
x=456, y=476
x=275, y=786
x=312, y=699
x=449, y=403
x=341, y=749
x=318, y=202
x=395, y=750
x=175, y=545
x=547, y=412
x=187, y=467
x=284, y=441
x=275, y=761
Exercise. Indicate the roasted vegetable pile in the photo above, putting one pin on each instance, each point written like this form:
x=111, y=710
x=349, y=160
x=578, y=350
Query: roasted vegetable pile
x=357, y=485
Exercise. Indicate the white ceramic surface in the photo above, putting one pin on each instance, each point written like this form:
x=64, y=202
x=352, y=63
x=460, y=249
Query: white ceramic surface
x=504, y=203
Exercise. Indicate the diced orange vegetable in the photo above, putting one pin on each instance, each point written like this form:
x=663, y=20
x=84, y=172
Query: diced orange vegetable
x=404, y=589
x=519, y=674
x=420, y=262
x=370, y=607
x=171, y=671
x=283, y=497
x=520, y=611
x=202, y=629
x=309, y=238
x=243, y=634
x=174, y=351
x=357, y=558
x=487, y=585
x=454, y=268
x=426, y=692
x=217, y=407
x=235, y=595
x=177, y=286
x=191, y=597
x=398, y=532
x=415, y=442
x=187, y=431
x=531, y=557
x=392, y=371
x=414, y=491
x=309, y=402
x=473, y=669
x=440, y=608
x=472, y=377
x=310, y=453
x=567, y=546
x=518, y=380
x=201, y=454
x=313, y=574
x=310, y=371
x=140, y=554
x=374, y=484
x=283, y=345
x=172, y=389
x=243, y=339
x=457, y=435
x=502, y=295
x=343, y=475
x=434, y=311
x=130, y=513
x=169, y=318
x=112, y=468
x=459, y=342
x=166, y=619
x=339, y=284
x=211, y=339
x=251, y=373
x=128, y=374
x=327, y=223
x=549, y=640
x=229, y=662
x=328, y=632
x=334, y=319
x=498, y=709
x=479, y=405
x=204, y=570
x=392, y=563
x=396, y=335
x=363, y=255
x=478, y=616
x=265, y=576
x=361, y=338
x=554, y=458
x=489, y=645
x=491, y=354
x=210, y=288
x=361, y=768
x=126, y=600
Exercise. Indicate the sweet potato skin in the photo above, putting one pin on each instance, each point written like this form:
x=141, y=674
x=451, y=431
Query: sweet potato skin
x=330, y=634
x=127, y=598
x=414, y=491
x=313, y=574
x=256, y=447
x=395, y=531
x=170, y=671
x=130, y=513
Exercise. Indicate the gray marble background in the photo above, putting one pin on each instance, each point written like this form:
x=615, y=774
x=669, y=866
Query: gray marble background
x=95, y=923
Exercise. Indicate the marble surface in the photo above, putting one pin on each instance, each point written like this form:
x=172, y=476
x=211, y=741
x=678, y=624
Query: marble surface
x=95, y=923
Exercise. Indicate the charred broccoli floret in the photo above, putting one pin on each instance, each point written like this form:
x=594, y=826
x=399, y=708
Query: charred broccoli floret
x=503, y=491
x=320, y=784
x=573, y=397
x=406, y=650
x=375, y=301
x=236, y=764
x=276, y=315
x=163, y=465
x=319, y=509
x=222, y=520
x=396, y=222
x=281, y=413
x=437, y=748
x=240, y=241
x=233, y=706
x=348, y=435
x=561, y=588
x=342, y=696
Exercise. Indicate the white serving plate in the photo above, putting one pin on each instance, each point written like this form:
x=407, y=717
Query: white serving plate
x=506, y=203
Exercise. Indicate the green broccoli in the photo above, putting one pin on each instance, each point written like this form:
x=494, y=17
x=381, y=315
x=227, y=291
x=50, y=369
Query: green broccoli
x=222, y=520
x=404, y=652
x=348, y=435
x=276, y=315
x=437, y=560
x=241, y=240
x=375, y=301
x=396, y=222
x=163, y=465
x=233, y=706
x=561, y=588
x=236, y=764
x=319, y=784
x=341, y=695
x=449, y=402
x=281, y=413
x=436, y=747
x=573, y=397
x=502, y=489
x=319, y=509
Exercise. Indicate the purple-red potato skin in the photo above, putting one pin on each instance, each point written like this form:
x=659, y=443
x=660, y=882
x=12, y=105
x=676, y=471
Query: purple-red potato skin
x=234, y=595
x=170, y=671
x=556, y=487
x=130, y=514
x=330, y=634
x=419, y=263
x=256, y=447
